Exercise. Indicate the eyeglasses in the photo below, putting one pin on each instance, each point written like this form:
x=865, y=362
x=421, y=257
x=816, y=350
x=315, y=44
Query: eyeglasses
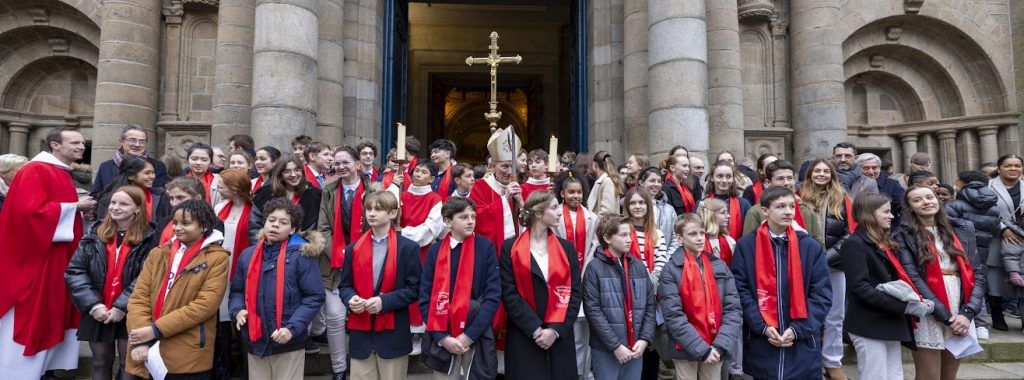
x=135, y=141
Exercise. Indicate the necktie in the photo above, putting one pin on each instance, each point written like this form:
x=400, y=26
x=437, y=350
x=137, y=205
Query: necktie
x=348, y=199
x=320, y=180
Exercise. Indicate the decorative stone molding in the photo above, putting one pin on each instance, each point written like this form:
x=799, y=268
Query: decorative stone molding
x=59, y=45
x=912, y=7
x=758, y=145
x=176, y=137
x=779, y=27
x=893, y=33
x=39, y=15
x=212, y=3
x=173, y=12
x=760, y=10
x=877, y=61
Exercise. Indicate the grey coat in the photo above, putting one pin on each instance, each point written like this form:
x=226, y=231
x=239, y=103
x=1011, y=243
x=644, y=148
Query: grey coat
x=684, y=341
x=603, y=302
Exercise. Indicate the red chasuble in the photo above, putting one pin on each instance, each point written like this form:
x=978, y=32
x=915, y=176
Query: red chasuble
x=415, y=208
x=31, y=265
x=490, y=215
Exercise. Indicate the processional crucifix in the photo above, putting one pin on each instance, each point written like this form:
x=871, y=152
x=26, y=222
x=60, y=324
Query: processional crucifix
x=493, y=60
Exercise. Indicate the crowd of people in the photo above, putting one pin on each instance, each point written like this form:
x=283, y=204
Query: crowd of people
x=239, y=262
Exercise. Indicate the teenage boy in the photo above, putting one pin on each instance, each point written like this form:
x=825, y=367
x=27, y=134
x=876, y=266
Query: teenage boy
x=782, y=280
x=459, y=294
x=537, y=164
x=782, y=174
x=299, y=145
x=367, y=154
x=442, y=154
x=319, y=158
x=380, y=278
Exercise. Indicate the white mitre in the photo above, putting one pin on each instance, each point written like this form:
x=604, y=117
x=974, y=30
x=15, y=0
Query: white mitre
x=504, y=144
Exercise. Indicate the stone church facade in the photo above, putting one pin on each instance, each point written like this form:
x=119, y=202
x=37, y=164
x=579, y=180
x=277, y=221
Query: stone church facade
x=792, y=77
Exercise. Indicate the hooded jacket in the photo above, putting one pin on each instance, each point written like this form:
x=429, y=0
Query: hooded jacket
x=976, y=203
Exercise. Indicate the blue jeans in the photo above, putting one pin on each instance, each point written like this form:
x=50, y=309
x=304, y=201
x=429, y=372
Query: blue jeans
x=605, y=367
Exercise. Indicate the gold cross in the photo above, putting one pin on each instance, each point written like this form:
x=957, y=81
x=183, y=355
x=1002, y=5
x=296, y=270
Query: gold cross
x=493, y=60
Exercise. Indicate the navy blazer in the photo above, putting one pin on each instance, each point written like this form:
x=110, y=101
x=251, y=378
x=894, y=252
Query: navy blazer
x=486, y=285
x=394, y=343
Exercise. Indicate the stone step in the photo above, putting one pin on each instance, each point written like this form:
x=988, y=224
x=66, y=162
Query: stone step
x=1001, y=347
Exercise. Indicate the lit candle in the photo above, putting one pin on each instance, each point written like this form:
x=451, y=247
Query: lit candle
x=400, y=153
x=553, y=155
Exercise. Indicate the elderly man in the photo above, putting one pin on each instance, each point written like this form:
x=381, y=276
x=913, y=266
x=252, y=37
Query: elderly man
x=133, y=143
x=854, y=182
x=871, y=166
x=9, y=165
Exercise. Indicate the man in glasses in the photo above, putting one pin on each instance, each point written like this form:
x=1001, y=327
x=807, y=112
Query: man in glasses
x=133, y=143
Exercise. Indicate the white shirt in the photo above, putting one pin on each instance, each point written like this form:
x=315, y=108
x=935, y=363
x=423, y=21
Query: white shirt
x=542, y=262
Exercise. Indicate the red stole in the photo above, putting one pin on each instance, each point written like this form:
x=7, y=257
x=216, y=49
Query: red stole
x=798, y=215
x=627, y=301
x=758, y=190
x=310, y=177
x=851, y=223
x=241, y=232
x=444, y=188
x=559, y=280
x=704, y=307
x=684, y=193
x=735, y=219
x=295, y=199
x=252, y=284
x=634, y=248
x=450, y=311
x=724, y=252
x=901, y=273
x=149, y=202
x=339, y=240
x=767, y=283
x=577, y=234
x=188, y=256
x=362, y=273
x=207, y=180
x=933, y=274
x=258, y=183
x=116, y=257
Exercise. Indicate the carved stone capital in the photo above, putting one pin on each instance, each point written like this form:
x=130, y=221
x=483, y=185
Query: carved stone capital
x=173, y=12
x=761, y=10
x=212, y=3
x=779, y=28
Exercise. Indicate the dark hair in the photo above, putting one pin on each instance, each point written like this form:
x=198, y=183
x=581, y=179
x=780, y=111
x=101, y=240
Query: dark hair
x=479, y=171
x=922, y=236
x=845, y=145
x=444, y=144
x=455, y=205
x=604, y=161
x=301, y=139
x=779, y=164
x=864, y=207
x=242, y=142
x=761, y=165
x=948, y=187
x=271, y=151
x=429, y=165
x=1005, y=157
x=315, y=148
x=201, y=212
x=200, y=146
x=281, y=203
x=989, y=165
x=189, y=185
x=366, y=144
x=566, y=178
x=537, y=154
x=130, y=167
x=412, y=145
x=773, y=194
x=173, y=164
x=581, y=166
x=672, y=152
x=609, y=225
x=968, y=176
x=459, y=169
x=277, y=183
x=56, y=135
x=919, y=175
x=132, y=127
x=886, y=165
x=533, y=207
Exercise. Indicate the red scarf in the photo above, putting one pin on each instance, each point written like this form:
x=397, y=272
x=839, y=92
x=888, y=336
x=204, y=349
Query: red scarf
x=684, y=193
x=190, y=253
x=339, y=240
x=295, y=199
x=851, y=223
x=704, y=307
x=241, y=232
x=450, y=311
x=252, y=288
x=258, y=183
x=627, y=301
x=116, y=257
x=559, y=281
x=207, y=180
x=798, y=215
x=310, y=177
x=444, y=188
x=724, y=251
x=933, y=273
x=767, y=284
x=634, y=248
x=758, y=190
x=735, y=220
x=168, y=233
x=362, y=271
x=577, y=234
x=149, y=202
x=387, y=179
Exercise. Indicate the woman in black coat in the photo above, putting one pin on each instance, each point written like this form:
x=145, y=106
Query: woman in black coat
x=929, y=237
x=100, y=292
x=877, y=321
x=288, y=179
x=540, y=346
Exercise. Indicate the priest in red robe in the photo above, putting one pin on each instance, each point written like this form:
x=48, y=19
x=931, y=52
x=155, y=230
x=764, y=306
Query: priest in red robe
x=40, y=227
x=498, y=196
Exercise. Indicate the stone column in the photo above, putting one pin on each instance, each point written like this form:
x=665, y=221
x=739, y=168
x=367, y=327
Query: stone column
x=127, y=73
x=605, y=93
x=284, y=84
x=947, y=154
x=819, y=107
x=170, y=104
x=967, y=152
x=232, y=81
x=909, y=142
x=331, y=73
x=677, y=76
x=634, y=81
x=725, y=92
x=989, y=146
x=19, y=138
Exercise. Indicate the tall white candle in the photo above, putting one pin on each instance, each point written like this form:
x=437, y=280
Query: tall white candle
x=400, y=153
x=553, y=155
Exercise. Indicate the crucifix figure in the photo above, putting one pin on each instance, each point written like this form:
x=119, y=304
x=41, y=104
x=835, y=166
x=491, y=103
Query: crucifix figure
x=493, y=60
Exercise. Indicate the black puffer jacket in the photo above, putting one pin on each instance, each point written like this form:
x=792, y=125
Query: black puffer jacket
x=836, y=232
x=908, y=257
x=87, y=270
x=976, y=203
